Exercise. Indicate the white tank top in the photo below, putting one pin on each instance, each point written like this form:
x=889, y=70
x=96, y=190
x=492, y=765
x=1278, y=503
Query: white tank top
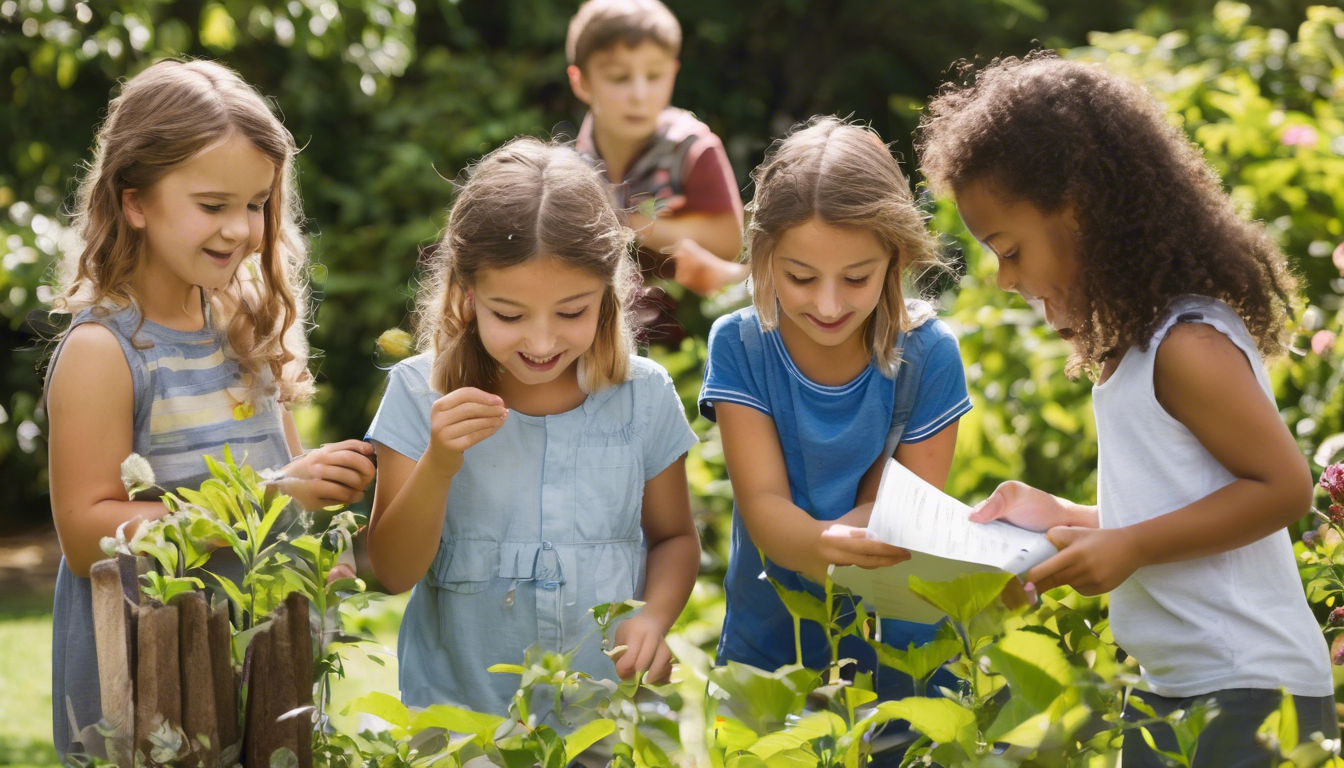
x=1233, y=620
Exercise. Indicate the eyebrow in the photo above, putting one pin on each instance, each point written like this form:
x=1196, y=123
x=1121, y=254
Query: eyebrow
x=566, y=300
x=809, y=266
x=229, y=196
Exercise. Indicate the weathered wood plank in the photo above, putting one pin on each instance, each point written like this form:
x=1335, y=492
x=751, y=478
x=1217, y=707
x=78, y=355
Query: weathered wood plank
x=301, y=649
x=114, y=635
x=198, y=682
x=158, y=683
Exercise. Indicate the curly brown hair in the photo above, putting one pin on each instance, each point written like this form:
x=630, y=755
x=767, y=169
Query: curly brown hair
x=1154, y=220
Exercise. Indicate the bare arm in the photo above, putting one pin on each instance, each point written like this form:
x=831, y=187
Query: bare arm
x=673, y=562
x=409, y=502
x=91, y=434
x=718, y=233
x=788, y=535
x=1205, y=382
x=674, y=544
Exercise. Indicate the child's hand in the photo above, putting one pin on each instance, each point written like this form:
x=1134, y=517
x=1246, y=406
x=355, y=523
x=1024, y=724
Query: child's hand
x=461, y=419
x=1023, y=506
x=701, y=271
x=336, y=473
x=646, y=650
x=1091, y=560
x=841, y=544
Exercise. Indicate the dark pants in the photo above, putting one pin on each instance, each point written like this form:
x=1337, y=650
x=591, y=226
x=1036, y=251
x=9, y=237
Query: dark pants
x=1229, y=740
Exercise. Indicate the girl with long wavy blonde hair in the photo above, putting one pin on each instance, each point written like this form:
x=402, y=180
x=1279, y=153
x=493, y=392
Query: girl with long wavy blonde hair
x=186, y=333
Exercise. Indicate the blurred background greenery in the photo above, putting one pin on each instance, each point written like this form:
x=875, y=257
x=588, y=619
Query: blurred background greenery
x=391, y=99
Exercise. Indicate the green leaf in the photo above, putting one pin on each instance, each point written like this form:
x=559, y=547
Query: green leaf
x=799, y=734
x=1035, y=667
x=1281, y=725
x=942, y=720
x=456, y=720
x=382, y=705
x=963, y=597
x=918, y=662
x=587, y=735
x=802, y=605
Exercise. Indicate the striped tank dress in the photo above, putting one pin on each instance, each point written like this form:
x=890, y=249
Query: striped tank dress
x=191, y=398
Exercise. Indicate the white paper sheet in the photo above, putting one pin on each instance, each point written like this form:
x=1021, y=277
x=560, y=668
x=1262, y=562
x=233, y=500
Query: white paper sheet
x=944, y=543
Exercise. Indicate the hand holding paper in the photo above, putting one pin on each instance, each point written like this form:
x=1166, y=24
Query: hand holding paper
x=944, y=543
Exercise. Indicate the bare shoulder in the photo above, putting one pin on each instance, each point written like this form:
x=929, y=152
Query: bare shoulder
x=1199, y=369
x=1195, y=352
x=90, y=353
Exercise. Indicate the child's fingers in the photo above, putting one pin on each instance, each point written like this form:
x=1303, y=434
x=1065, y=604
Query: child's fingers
x=1055, y=564
x=660, y=671
x=465, y=430
x=359, y=463
x=358, y=446
x=339, y=474
x=992, y=508
x=648, y=647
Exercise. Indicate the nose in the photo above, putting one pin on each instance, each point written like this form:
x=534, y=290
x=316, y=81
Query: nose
x=540, y=339
x=828, y=302
x=1007, y=277
x=639, y=87
x=236, y=227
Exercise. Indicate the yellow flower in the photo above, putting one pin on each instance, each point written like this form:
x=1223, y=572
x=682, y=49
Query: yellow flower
x=243, y=411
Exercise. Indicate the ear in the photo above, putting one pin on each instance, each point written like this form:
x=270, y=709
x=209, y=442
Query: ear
x=578, y=84
x=133, y=208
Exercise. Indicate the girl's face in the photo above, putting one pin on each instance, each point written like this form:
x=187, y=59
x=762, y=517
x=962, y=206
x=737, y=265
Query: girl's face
x=1037, y=252
x=828, y=279
x=201, y=219
x=538, y=318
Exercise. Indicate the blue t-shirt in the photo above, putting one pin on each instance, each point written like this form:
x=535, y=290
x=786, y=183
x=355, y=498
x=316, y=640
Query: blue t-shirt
x=830, y=436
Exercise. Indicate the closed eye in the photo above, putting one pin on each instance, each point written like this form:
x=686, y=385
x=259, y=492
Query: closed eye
x=796, y=280
x=507, y=318
x=858, y=280
x=212, y=208
x=573, y=315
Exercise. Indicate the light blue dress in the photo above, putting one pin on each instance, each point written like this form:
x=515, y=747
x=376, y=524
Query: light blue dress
x=543, y=523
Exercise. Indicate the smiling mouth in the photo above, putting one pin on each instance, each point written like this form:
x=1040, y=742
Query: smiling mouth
x=220, y=255
x=832, y=325
x=539, y=363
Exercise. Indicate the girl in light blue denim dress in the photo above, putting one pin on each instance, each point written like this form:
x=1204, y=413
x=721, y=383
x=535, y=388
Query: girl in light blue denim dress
x=531, y=466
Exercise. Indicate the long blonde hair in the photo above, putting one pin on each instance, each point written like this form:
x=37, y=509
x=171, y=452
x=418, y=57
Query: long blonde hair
x=526, y=200
x=162, y=118
x=841, y=173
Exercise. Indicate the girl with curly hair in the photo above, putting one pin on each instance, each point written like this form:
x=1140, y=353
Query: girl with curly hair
x=1107, y=217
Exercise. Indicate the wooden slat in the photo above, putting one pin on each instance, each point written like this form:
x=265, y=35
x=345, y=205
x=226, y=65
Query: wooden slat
x=114, y=634
x=158, y=684
x=301, y=650
x=198, y=683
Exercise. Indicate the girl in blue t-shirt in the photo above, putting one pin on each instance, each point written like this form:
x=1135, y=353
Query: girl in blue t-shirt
x=530, y=465
x=804, y=385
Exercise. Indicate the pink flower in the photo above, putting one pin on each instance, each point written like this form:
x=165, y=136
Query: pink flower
x=1337, y=617
x=1299, y=136
x=1322, y=342
x=1332, y=482
x=1338, y=258
x=1311, y=539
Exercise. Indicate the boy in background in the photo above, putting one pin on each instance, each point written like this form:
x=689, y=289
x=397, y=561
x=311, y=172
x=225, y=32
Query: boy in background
x=667, y=170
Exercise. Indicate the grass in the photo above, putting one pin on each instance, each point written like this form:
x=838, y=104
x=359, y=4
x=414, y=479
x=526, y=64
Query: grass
x=25, y=682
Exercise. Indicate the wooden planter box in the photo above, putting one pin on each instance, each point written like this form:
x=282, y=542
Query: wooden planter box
x=173, y=664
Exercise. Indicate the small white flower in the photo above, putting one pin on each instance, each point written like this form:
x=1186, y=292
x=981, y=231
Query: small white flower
x=136, y=474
